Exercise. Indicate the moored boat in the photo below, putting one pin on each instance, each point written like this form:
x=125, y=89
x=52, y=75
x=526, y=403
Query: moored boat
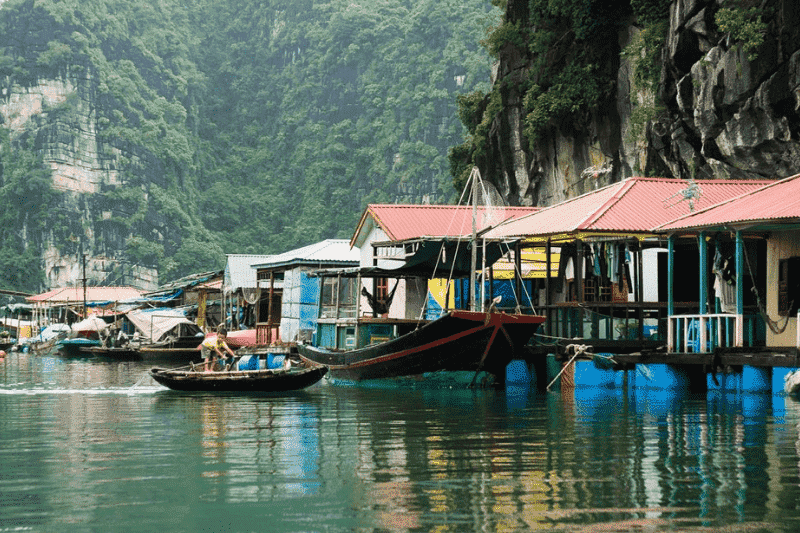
x=115, y=352
x=166, y=334
x=457, y=341
x=74, y=346
x=263, y=380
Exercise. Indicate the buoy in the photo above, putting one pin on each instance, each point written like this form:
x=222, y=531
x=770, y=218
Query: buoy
x=2, y=353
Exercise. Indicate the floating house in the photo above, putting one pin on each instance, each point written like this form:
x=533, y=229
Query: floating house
x=611, y=283
x=72, y=304
x=388, y=235
x=402, y=248
x=744, y=327
x=292, y=295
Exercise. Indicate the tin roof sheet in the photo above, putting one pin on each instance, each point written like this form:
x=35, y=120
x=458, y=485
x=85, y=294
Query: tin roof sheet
x=632, y=206
x=408, y=221
x=239, y=272
x=321, y=253
x=772, y=204
x=93, y=294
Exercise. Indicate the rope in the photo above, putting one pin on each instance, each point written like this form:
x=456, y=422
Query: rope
x=773, y=325
x=579, y=349
x=439, y=256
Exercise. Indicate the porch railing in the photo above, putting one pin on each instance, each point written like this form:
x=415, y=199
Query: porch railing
x=627, y=321
x=267, y=333
x=702, y=333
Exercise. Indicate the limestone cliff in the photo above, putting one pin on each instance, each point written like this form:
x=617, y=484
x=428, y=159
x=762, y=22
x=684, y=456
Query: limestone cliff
x=60, y=116
x=718, y=110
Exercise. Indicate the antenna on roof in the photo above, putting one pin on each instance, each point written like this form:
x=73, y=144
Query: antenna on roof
x=595, y=171
x=692, y=193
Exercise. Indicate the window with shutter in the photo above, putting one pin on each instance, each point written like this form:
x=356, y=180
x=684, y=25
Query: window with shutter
x=788, y=286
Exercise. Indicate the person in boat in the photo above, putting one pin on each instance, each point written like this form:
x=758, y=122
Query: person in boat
x=214, y=348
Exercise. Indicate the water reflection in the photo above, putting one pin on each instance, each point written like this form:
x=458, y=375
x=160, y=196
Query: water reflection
x=80, y=449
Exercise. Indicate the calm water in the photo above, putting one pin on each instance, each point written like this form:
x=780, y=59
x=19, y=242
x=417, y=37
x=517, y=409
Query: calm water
x=81, y=449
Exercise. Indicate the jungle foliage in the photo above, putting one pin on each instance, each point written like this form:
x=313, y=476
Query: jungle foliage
x=239, y=126
x=571, y=54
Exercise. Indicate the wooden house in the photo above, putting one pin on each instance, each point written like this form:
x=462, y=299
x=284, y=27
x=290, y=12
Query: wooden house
x=292, y=295
x=387, y=234
x=402, y=248
x=748, y=276
x=611, y=289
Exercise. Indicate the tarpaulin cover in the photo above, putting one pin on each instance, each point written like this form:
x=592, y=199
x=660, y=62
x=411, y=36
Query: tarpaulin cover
x=154, y=323
x=93, y=323
x=239, y=338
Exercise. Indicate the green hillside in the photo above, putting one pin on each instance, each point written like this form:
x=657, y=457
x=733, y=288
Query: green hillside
x=232, y=126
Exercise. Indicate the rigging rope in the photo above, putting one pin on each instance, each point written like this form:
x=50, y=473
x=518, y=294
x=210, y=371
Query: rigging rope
x=773, y=325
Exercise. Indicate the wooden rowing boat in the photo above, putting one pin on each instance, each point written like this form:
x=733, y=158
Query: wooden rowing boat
x=264, y=380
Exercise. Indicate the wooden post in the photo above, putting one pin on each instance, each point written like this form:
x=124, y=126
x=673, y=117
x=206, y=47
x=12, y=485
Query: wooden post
x=269, y=306
x=548, y=262
x=640, y=290
x=580, y=271
x=739, y=288
x=670, y=296
x=703, y=297
x=518, y=273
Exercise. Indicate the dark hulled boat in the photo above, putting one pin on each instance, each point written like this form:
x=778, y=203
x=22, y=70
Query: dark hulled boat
x=265, y=380
x=457, y=341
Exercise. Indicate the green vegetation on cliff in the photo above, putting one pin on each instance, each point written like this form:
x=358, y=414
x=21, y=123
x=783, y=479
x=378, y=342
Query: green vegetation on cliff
x=566, y=56
x=238, y=126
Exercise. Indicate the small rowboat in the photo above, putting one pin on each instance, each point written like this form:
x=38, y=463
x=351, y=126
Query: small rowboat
x=265, y=380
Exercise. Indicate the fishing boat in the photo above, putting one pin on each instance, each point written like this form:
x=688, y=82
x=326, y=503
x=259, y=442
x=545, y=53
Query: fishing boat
x=261, y=380
x=358, y=343
x=165, y=333
x=124, y=353
x=75, y=346
x=457, y=341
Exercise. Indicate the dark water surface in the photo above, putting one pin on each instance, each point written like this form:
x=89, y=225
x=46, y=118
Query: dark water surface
x=83, y=449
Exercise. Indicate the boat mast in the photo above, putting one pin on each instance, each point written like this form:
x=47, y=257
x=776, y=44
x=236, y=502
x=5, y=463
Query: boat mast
x=474, y=241
x=83, y=262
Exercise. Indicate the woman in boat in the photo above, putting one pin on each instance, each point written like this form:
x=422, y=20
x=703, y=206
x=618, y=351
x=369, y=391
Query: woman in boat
x=214, y=348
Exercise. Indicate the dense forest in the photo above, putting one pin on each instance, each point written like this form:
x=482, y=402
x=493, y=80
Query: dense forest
x=187, y=130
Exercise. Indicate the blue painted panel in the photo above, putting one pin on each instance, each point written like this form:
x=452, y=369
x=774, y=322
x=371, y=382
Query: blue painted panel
x=588, y=374
x=661, y=376
x=309, y=301
x=326, y=336
x=501, y=287
x=517, y=372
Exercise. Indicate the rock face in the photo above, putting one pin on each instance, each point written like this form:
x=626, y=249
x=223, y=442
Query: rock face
x=60, y=115
x=721, y=114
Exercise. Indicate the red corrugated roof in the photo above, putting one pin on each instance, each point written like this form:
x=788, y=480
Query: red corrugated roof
x=401, y=222
x=93, y=294
x=634, y=205
x=777, y=202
